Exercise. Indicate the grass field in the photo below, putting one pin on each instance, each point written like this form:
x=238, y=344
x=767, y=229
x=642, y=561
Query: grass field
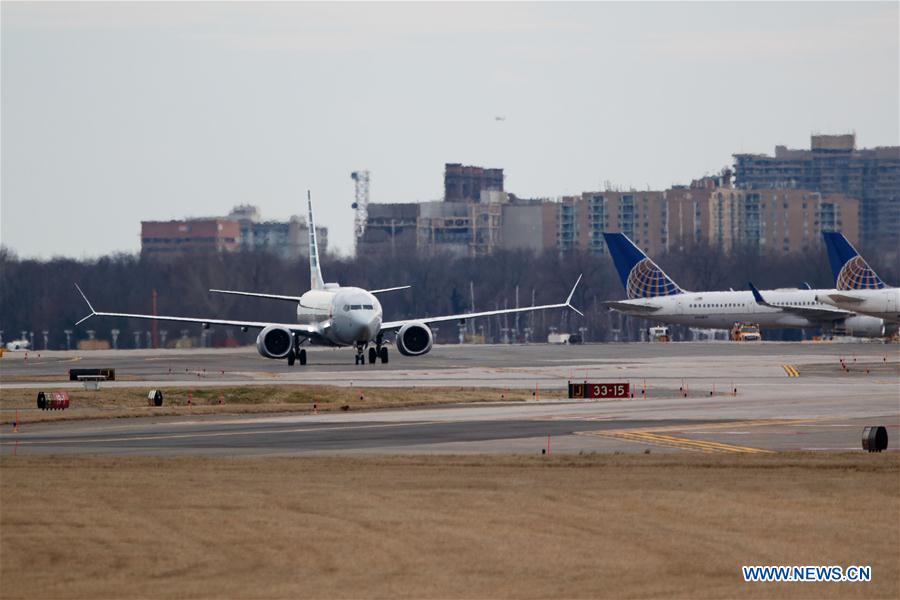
x=606, y=526
x=132, y=402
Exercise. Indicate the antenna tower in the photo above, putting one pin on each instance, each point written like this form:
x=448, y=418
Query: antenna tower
x=360, y=205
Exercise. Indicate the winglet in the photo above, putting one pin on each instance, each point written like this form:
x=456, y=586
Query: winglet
x=572, y=293
x=93, y=312
x=756, y=295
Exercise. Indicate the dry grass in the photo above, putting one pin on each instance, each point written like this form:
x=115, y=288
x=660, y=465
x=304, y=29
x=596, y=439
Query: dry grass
x=132, y=402
x=444, y=527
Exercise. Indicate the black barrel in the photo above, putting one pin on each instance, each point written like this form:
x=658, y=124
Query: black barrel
x=155, y=397
x=875, y=438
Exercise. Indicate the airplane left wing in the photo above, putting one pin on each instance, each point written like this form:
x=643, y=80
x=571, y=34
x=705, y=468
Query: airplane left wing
x=632, y=308
x=819, y=313
x=391, y=289
x=845, y=298
x=392, y=325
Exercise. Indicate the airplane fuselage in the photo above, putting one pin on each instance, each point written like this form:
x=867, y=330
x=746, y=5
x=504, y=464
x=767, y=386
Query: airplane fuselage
x=721, y=310
x=343, y=315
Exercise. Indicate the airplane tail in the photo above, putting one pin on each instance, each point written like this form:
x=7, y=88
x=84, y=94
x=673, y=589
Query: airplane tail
x=851, y=271
x=315, y=271
x=640, y=276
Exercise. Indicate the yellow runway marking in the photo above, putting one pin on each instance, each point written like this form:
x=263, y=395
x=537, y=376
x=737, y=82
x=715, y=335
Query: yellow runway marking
x=791, y=370
x=655, y=435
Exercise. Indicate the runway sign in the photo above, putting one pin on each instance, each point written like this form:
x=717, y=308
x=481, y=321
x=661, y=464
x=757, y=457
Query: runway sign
x=599, y=390
x=109, y=374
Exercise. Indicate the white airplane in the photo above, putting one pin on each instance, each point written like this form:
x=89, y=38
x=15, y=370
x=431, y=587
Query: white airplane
x=653, y=295
x=857, y=286
x=331, y=315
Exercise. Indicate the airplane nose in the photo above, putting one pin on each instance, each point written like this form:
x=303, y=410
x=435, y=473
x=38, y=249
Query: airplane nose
x=364, y=327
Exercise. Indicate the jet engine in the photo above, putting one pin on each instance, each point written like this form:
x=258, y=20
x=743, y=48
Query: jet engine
x=866, y=326
x=274, y=341
x=414, y=339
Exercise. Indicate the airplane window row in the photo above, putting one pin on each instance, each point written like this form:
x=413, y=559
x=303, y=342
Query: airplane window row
x=724, y=305
x=358, y=307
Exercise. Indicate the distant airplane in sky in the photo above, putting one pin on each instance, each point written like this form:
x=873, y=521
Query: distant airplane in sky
x=332, y=315
x=857, y=286
x=653, y=295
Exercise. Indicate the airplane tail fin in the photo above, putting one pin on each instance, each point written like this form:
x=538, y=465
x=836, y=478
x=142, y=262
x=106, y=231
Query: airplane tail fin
x=315, y=271
x=640, y=276
x=851, y=271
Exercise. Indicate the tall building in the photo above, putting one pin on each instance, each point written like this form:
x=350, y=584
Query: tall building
x=833, y=165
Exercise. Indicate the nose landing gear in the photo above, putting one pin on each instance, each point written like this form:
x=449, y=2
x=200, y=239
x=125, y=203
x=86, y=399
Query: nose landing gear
x=379, y=352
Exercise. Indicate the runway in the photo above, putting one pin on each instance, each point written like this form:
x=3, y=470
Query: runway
x=814, y=406
x=518, y=366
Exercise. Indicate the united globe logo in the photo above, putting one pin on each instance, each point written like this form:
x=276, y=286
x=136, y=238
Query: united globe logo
x=856, y=275
x=646, y=280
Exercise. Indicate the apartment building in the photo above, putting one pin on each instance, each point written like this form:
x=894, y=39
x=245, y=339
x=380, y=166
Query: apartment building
x=833, y=165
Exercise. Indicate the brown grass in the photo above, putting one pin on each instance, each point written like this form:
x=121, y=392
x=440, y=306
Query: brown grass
x=132, y=402
x=445, y=527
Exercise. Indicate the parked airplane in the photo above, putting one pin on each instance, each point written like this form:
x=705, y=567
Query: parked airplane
x=331, y=315
x=857, y=286
x=653, y=295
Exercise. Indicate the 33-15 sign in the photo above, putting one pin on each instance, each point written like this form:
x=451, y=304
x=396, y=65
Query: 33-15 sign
x=599, y=390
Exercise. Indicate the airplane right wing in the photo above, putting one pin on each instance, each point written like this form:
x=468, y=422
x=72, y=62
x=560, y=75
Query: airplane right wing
x=391, y=325
x=305, y=330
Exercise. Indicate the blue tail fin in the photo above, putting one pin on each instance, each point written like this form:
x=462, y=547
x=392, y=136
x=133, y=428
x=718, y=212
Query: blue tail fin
x=851, y=272
x=640, y=276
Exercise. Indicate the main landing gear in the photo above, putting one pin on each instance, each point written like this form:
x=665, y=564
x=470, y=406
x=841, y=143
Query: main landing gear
x=299, y=355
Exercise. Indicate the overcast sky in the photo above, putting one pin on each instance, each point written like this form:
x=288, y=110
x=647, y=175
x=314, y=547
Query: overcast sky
x=115, y=113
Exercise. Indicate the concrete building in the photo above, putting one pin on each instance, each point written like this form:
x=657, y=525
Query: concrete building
x=465, y=183
x=287, y=239
x=390, y=229
x=162, y=239
x=240, y=230
x=833, y=165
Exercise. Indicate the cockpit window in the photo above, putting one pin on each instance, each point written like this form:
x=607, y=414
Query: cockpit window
x=368, y=306
x=355, y=307
x=346, y=307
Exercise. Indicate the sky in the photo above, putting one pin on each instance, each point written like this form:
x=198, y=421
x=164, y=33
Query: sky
x=113, y=113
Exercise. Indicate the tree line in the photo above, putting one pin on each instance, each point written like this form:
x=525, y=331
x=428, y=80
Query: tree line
x=39, y=295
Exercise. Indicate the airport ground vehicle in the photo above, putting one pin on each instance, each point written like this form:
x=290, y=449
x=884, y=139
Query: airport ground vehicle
x=659, y=333
x=745, y=332
x=332, y=315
